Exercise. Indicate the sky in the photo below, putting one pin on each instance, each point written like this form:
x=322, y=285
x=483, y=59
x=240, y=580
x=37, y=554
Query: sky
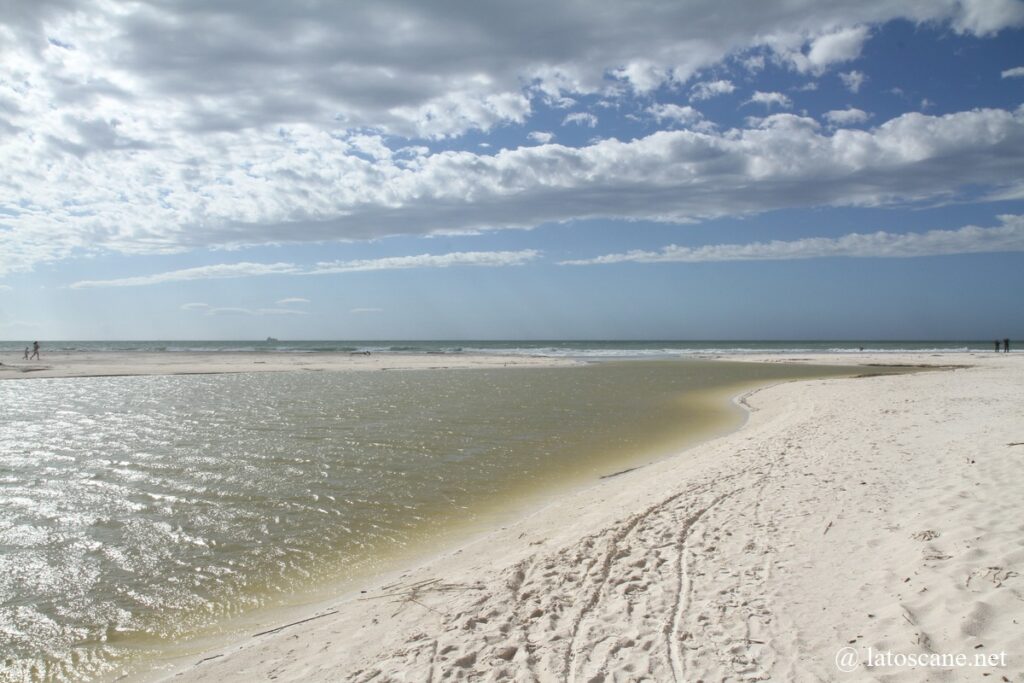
x=399, y=169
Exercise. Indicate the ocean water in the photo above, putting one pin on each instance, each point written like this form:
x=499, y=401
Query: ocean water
x=594, y=349
x=142, y=515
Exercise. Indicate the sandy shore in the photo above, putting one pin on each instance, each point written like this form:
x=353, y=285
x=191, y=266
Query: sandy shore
x=112, y=363
x=881, y=512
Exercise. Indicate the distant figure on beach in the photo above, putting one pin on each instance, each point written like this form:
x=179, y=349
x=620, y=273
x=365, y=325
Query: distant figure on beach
x=1006, y=346
x=26, y=354
x=35, y=351
x=996, y=342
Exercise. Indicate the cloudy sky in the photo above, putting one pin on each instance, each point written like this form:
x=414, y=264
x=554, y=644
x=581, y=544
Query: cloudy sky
x=458, y=169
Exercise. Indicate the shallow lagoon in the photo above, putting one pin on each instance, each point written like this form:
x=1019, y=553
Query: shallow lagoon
x=138, y=512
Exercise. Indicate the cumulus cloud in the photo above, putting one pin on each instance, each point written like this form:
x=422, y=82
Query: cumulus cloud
x=405, y=68
x=770, y=98
x=839, y=46
x=853, y=80
x=1007, y=237
x=239, y=270
x=705, y=90
x=644, y=75
x=296, y=122
x=680, y=175
x=675, y=113
x=846, y=117
x=541, y=137
x=580, y=118
x=1015, y=72
x=985, y=17
x=753, y=63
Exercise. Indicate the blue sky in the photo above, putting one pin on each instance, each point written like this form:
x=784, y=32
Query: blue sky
x=688, y=170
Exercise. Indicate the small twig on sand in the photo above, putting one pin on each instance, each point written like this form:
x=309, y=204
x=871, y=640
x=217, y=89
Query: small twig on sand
x=615, y=474
x=412, y=588
x=294, y=623
x=413, y=593
x=826, y=529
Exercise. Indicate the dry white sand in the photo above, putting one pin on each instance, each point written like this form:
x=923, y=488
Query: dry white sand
x=117, y=363
x=881, y=512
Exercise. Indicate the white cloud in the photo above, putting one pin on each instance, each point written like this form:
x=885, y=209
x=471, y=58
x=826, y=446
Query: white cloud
x=458, y=258
x=770, y=98
x=753, y=63
x=705, y=90
x=371, y=145
x=448, y=69
x=541, y=137
x=216, y=272
x=280, y=122
x=195, y=306
x=985, y=17
x=644, y=75
x=1015, y=72
x=238, y=270
x=1007, y=237
x=675, y=113
x=359, y=311
x=580, y=118
x=846, y=117
x=680, y=175
x=300, y=183
x=292, y=300
x=842, y=46
x=853, y=80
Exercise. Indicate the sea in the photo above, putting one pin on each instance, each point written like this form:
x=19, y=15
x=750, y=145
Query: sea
x=585, y=349
x=144, y=519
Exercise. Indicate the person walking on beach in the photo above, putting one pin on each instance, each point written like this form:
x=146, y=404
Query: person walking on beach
x=26, y=354
x=1006, y=345
x=996, y=342
x=35, y=351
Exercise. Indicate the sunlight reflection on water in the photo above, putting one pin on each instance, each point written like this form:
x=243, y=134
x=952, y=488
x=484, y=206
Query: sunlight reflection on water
x=136, y=509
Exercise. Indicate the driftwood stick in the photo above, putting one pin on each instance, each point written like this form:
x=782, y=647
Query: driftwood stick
x=294, y=623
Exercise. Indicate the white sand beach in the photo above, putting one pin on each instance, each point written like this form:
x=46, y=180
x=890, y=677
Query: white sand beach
x=124, y=363
x=879, y=512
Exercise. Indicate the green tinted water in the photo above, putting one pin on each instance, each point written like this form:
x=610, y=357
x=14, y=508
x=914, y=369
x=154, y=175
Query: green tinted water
x=137, y=512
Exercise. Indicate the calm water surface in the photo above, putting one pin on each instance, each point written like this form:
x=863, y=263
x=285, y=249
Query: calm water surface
x=137, y=512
